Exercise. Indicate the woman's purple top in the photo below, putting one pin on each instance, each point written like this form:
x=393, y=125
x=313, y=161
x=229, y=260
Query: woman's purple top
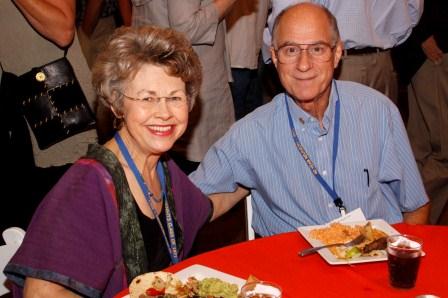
x=74, y=238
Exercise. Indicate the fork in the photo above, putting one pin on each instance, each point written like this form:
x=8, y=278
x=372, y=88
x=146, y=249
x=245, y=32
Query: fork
x=352, y=242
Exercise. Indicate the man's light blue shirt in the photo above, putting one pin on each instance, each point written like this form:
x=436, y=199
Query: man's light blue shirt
x=375, y=169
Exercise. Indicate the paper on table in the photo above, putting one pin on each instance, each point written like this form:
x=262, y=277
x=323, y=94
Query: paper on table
x=355, y=215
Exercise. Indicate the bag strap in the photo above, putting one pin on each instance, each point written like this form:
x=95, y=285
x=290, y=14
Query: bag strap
x=2, y=70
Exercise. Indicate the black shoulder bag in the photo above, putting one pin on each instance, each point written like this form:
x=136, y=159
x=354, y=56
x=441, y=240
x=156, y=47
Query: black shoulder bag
x=53, y=103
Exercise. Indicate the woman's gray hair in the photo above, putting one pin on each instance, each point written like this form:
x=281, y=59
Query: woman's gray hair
x=131, y=47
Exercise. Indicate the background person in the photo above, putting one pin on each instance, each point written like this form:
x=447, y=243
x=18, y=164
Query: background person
x=202, y=21
x=126, y=208
x=424, y=70
x=245, y=23
x=97, y=20
x=35, y=33
x=349, y=134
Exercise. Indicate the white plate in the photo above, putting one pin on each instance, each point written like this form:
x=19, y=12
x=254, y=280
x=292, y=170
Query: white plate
x=331, y=259
x=201, y=272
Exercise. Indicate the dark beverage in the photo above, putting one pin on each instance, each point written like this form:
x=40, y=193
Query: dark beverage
x=403, y=267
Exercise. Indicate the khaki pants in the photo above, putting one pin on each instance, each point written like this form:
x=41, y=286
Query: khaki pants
x=374, y=70
x=428, y=130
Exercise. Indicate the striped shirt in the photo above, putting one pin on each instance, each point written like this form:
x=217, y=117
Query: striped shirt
x=375, y=169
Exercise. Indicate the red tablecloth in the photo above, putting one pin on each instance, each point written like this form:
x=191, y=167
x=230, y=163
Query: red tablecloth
x=275, y=259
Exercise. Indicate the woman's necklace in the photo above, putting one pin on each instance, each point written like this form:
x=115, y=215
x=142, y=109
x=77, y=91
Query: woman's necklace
x=151, y=195
x=170, y=239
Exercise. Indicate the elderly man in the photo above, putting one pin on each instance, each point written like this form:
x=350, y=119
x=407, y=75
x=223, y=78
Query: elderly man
x=321, y=148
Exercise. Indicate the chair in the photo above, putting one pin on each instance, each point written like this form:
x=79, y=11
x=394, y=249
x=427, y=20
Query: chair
x=443, y=219
x=13, y=237
x=249, y=230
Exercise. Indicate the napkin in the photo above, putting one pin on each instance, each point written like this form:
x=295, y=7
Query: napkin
x=353, y=216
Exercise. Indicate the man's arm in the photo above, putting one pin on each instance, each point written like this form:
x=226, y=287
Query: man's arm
x=125, y=7
x=222, y=202
x=223, y=7
x=198, y=22
x=418, y=216
x=55, y=20
x=91, y=16
x=415, y=8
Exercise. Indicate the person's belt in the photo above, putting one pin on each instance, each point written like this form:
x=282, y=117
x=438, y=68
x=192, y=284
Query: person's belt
x=363, y=51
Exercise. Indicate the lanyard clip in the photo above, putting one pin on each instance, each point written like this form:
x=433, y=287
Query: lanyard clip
x=338, y=202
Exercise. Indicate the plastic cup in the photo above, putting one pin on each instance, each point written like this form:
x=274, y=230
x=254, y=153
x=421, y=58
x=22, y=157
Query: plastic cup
x=261, y=289
x=403, y=259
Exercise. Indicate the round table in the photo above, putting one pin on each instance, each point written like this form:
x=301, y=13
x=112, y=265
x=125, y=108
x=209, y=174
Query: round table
x=275, y=259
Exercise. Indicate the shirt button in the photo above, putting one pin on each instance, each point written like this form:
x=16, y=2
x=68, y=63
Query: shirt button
x=324, y=172
x=303, y=129
x=320, y=139
x=330, y=205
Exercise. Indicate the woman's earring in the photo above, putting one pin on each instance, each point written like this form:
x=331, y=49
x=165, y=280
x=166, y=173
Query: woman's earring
x=118, y=118
x=117, y=123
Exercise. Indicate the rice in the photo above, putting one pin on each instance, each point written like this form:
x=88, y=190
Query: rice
x=336, y=233
x=340, y=233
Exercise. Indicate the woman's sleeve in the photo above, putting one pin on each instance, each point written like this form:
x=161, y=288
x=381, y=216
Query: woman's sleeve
x=71, y=239
x=193, y=208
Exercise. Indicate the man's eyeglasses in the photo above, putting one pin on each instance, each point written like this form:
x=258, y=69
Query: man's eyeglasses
x=319, y=52
x=173, y=101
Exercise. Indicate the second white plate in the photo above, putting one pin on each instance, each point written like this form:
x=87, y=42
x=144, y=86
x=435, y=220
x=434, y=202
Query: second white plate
x=331, y=259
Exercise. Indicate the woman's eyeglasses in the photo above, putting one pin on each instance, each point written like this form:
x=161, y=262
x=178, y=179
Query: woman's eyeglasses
x=174, y=101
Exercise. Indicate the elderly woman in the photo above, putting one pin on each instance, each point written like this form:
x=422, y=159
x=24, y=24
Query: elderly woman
x=125, y=208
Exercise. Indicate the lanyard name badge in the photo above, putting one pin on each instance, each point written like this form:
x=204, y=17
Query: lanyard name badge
x=171, y=243
x=331, y=191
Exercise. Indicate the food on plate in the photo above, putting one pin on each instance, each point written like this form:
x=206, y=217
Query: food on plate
x=374, y=243
x=155, y=284
x=214, y=287
x=167, y=285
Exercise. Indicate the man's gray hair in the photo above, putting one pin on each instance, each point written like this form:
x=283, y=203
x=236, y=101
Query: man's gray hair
x=331, y=19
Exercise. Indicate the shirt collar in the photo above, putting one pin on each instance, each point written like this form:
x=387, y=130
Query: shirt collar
x=304, y=120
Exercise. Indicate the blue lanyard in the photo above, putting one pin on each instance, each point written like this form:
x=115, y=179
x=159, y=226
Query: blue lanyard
x=171, y=244
x=331, y=191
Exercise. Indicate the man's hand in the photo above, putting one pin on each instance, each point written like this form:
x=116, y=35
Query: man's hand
x=432, y=50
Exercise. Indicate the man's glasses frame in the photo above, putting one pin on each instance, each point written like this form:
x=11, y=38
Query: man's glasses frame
x=290, y=52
